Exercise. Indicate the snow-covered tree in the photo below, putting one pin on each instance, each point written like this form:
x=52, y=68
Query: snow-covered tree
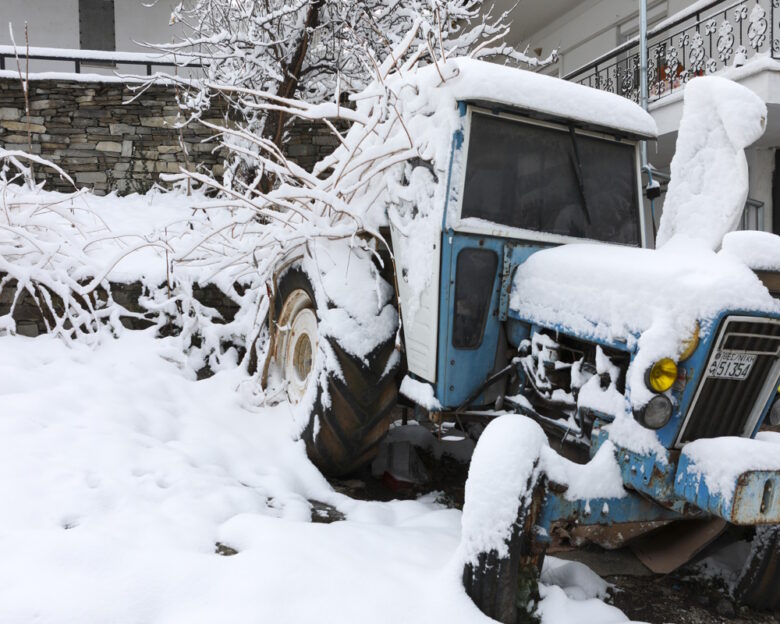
x=311, y=49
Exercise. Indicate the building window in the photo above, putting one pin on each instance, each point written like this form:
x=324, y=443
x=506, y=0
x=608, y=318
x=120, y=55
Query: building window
x=96, y=25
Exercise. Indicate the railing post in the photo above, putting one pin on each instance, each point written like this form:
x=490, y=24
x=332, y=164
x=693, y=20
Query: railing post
x=643, y=68
x=148, y=69
x=78, y=66
x=2, y=61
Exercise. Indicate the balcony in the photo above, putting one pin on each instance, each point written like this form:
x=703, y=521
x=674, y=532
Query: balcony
x=703, y=39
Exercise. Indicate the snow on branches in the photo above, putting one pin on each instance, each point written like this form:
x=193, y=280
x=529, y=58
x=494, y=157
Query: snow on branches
x=81, y=266
x=311, y=49
x=42, y=257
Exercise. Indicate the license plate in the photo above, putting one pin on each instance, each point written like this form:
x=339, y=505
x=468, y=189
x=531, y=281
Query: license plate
x=731, y=365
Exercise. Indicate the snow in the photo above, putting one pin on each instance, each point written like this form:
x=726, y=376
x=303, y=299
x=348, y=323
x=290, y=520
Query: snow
x=419, y=392
x=628, y=434
x=98, y=55
x=709, y=174
x=477, y=80
x=61, y=76
x=720, y=461
x=125, y=238
x=772, y=437
x=575, y=578
x=355, y=305
x=758, y=250
x=555, y=608
x=599, y=478
x=503, y=471
x=649, y=300
x=120, y=473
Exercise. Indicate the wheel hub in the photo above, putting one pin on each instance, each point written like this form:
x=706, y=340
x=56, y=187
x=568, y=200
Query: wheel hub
x=297, y=343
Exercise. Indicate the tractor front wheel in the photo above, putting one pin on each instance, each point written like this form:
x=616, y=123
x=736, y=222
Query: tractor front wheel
x=758, y=585
x=350, y=412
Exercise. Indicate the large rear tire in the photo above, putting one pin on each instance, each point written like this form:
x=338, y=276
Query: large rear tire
x=758, y=585
x=351, y=414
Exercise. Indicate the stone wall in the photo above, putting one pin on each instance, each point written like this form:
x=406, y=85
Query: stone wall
x=309, y=142
x=106, y=144
x=101, y=142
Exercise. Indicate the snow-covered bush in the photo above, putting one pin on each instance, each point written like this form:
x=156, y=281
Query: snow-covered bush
x=70, y=261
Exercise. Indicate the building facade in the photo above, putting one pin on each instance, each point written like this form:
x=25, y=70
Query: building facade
x=100, y=25
x=597, y=45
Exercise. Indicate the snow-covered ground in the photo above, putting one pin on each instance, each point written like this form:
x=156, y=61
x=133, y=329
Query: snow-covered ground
x=120, y=473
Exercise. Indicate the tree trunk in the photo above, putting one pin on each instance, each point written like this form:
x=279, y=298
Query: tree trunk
x=274, y=128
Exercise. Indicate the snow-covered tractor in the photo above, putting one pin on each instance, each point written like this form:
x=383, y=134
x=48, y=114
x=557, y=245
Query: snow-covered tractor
x=524, y=285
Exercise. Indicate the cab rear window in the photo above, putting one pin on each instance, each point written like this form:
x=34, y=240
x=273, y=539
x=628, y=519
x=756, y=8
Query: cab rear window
x=551, y=180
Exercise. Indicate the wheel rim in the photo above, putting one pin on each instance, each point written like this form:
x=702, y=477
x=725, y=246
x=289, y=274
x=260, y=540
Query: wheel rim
x=297, y=343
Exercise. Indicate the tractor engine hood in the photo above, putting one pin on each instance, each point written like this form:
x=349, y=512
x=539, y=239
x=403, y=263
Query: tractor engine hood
x=646, y=299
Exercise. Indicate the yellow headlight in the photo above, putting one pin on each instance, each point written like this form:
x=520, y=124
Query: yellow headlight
x=662, y=375
x=689, y=346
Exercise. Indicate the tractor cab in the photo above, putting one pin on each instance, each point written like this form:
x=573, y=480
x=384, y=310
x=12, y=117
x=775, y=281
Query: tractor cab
x=521, y=180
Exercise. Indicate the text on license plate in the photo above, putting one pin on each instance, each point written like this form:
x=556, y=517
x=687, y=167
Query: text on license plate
x=731, y=365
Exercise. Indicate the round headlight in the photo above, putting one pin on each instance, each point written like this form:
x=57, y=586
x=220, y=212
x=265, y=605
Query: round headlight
x=657, y=412
x=662, y=375
x=689, y=346
x=774, y=414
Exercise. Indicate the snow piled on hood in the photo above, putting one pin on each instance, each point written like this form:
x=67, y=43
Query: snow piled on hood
x=709, y=172
x=649, y=299
x=758, y=250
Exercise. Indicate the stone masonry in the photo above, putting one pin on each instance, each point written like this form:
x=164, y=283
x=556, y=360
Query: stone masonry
x=100, y=141
x=106, y=144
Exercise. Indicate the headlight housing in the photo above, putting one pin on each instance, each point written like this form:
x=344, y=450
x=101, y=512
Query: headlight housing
x=661, y=375
x=656, y=413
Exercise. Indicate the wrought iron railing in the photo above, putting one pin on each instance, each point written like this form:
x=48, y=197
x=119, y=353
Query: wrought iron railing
x=701, y=40
x=77, y=58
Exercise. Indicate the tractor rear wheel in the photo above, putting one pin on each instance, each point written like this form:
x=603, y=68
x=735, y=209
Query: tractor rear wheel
x=759, y=580
x=351, y=411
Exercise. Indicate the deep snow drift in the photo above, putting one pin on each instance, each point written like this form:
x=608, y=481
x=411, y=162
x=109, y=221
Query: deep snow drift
x=120, y=473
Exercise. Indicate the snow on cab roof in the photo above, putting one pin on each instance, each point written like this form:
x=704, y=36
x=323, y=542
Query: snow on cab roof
x=481, y=81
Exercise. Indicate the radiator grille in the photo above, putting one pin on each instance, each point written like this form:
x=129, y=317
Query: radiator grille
x=728, y=407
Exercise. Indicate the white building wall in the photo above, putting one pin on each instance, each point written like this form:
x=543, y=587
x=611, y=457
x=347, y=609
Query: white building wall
x=594, y=27
x=55, y=24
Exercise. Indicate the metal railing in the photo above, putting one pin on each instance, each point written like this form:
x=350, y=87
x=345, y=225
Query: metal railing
x=703, y=39
x=98, y=58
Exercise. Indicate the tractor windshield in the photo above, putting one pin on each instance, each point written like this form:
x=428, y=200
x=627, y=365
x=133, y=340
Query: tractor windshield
x=551, y=179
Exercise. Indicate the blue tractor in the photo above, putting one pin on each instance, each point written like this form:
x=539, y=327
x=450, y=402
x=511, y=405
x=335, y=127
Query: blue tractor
x=543, y=236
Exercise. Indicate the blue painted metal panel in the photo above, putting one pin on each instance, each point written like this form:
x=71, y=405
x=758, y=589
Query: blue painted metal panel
x=589, y=337
x=461, y=371
x=649, y=474
x=755, y=498
x=599, y=511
